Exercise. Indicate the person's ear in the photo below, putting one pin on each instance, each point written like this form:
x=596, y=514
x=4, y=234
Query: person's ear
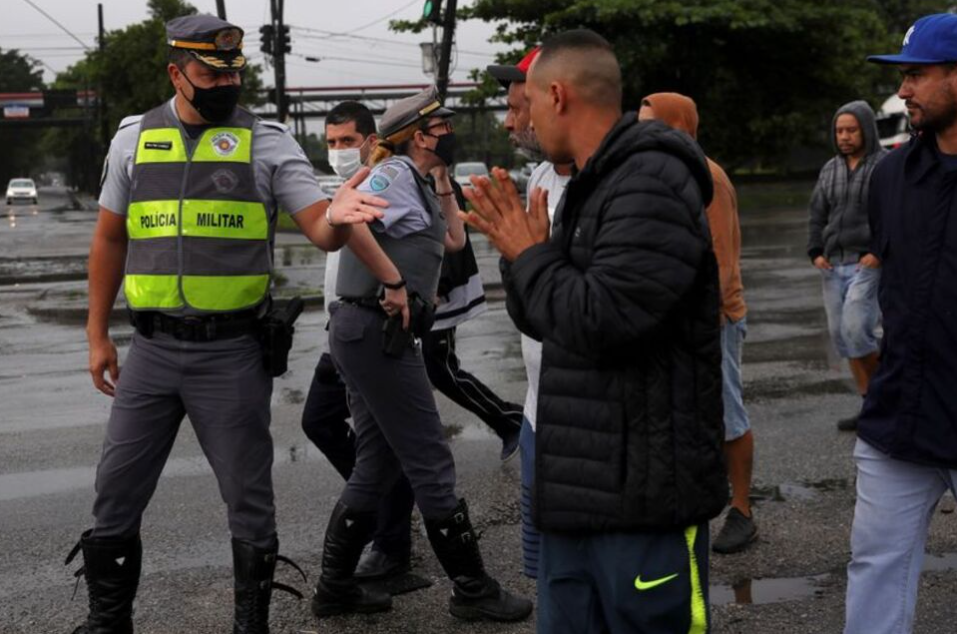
x=558, y=96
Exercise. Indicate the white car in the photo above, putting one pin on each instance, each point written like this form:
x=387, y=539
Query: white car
x=21, y=189
x=893, y=125
x=464, y=170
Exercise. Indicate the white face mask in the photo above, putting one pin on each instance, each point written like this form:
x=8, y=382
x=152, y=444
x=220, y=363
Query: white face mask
x=345, y=163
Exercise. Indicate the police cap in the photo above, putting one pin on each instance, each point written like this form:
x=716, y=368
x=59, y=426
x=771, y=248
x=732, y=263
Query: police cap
x=210, y=40
x=412, y=110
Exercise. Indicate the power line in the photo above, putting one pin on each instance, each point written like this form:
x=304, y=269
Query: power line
x=382, y=19
x=327, y=34
x=54, y=20
x=357, y=60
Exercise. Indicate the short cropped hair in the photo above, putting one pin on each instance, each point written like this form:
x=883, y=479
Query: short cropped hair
x=353, y=111
x=180, y=57
x=587, y=61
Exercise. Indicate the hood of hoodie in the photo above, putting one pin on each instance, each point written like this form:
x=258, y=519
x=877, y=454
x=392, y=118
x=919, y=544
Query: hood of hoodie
x=676, y=110
x=629, y=136
x=867, y=120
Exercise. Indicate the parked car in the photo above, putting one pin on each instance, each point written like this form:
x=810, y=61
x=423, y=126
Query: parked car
x=21, y=189
x=521, y=175
x=893, y=126
x=329, y=183
x=464, y=170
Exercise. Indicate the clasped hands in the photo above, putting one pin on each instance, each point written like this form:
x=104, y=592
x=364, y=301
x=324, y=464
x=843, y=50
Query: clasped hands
x=498, y=212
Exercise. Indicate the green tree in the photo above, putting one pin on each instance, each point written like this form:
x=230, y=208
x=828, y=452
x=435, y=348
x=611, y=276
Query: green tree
x=18, y=73
x=130, y=74
x=766, y=74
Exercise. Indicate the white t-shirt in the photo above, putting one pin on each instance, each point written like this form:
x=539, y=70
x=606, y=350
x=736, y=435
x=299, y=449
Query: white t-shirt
x=547, y=178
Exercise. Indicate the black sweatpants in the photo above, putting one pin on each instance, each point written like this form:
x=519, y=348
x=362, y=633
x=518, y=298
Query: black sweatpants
x=448, y=377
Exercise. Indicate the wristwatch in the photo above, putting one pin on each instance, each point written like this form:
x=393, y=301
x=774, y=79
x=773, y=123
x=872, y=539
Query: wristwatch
x=394, y=286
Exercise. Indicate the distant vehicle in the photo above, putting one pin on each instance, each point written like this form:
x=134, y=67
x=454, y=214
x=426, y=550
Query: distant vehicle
x=21, y=189
x=521, y=175
x=464, y=170
x=329, y=183
x=893, y=126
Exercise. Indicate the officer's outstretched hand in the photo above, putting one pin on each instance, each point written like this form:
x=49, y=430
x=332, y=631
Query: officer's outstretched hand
x=103, y=359
x=350, y=206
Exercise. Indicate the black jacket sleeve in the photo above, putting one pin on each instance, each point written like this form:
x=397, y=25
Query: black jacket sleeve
x=646, y=250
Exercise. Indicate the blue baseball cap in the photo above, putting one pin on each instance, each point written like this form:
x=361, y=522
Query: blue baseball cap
x=931, y=40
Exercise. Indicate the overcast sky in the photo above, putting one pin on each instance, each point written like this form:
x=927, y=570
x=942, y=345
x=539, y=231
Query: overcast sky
x=367, y=52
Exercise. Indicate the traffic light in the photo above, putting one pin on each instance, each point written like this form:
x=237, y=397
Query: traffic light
x=266, y=39
x=432, y=11
x=283, y=41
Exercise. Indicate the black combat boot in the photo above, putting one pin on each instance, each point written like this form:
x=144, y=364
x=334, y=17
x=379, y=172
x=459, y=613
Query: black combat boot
x=475, y=595
x=337, y=591
x=253, y=570
x=111, y=567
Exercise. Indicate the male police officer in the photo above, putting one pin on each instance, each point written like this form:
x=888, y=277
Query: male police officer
x=190, y=197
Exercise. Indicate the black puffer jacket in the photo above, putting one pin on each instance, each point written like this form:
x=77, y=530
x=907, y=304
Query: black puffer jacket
x=625, y=298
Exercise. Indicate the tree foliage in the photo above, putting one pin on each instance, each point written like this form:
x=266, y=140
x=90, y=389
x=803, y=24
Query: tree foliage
x=18, y=73
x=766, y=74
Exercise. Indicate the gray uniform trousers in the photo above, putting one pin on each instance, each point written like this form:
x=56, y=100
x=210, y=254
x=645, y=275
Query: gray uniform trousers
x=224, y=389
x=396, y=421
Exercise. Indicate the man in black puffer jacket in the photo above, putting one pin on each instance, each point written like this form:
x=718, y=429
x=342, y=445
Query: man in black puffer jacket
x=624, y=296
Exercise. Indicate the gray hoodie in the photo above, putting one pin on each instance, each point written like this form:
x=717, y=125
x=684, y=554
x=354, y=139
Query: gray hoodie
x=838, y=227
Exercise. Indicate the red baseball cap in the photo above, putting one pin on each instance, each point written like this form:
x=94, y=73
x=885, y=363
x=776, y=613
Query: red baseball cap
x=508, y=74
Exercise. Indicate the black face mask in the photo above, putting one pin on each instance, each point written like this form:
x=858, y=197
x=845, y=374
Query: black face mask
x=445, y=147
x=214, y=104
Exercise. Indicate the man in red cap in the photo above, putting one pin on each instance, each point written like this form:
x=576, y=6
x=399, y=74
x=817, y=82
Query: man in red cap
x=552, y=178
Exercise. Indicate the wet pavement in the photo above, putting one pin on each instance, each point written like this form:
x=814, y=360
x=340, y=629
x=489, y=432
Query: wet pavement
x=52, y=420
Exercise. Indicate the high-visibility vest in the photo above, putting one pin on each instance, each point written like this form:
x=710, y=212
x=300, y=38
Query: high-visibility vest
x=199, y=233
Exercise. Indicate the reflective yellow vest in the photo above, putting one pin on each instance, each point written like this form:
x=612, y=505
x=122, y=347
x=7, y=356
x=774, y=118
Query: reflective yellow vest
x=199, y=233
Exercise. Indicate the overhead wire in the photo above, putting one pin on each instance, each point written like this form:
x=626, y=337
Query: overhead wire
x=56, y=22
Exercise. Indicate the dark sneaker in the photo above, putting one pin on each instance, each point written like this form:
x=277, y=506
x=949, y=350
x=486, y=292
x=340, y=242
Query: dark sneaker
x=736, y=534
x=847, y=424
x=376, y=565
x=510, y=445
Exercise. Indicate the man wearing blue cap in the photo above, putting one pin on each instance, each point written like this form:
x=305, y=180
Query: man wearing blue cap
x=190, y=197
x=906, y=452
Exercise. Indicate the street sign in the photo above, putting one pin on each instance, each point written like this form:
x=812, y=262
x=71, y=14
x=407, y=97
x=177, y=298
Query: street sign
x=16, y=112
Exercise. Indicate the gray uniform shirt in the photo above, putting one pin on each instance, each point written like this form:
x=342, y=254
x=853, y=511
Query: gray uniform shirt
x=394, y=181
x=284, y=176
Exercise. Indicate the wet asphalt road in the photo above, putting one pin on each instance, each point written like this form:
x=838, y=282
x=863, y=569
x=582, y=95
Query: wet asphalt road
x=52, y=421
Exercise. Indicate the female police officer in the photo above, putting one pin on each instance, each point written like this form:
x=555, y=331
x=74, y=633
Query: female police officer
x=383, y=273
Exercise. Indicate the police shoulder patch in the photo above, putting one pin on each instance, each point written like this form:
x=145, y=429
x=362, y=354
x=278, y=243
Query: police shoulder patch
x=381, y=180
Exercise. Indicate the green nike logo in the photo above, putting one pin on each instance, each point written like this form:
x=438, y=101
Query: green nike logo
x=641, y=586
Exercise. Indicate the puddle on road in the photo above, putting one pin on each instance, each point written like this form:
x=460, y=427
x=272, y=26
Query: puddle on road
x=762, y=591
x=780, y=590
x=805, y=490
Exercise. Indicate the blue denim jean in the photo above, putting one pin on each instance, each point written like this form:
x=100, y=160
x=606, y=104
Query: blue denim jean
x=895, y=503
x=850, y=299
x=531, y=538
x=736, y=423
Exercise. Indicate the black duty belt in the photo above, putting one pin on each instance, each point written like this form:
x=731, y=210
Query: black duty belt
x=372, y=303
x=196, y=328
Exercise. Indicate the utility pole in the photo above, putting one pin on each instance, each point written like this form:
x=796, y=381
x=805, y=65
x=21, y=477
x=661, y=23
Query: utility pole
x=100, y=102
x=445, y=56
x=221, y=9
x=280, y=48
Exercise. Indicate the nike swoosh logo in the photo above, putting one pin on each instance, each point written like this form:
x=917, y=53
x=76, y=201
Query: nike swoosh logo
x=641, y=586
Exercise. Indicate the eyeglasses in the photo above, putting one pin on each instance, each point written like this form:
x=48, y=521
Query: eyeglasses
x=447, y=125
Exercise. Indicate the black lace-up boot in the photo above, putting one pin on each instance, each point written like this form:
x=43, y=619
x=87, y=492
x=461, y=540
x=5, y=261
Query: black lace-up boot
x=337, y=591
x=111, y=567
x=253, y=570
x=475, y=595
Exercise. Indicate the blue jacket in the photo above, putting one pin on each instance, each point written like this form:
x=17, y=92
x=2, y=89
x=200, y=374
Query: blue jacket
x=910, y=412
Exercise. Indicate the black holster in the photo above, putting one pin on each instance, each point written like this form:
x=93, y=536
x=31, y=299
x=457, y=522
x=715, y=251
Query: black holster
x=275, y=335
x=395, y=338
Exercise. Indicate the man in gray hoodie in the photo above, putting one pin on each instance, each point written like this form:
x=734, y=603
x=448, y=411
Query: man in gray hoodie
x=839, y=238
